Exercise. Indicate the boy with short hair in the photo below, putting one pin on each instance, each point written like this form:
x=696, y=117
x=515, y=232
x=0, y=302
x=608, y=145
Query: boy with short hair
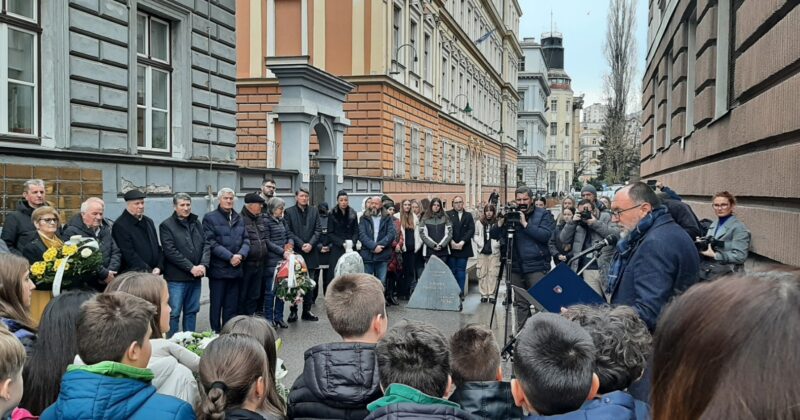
x=340, y=379
x=554, y=362
x=475, y=368
x=414, y=367
x=12, y=359
x=623, y=345
x=113, y=334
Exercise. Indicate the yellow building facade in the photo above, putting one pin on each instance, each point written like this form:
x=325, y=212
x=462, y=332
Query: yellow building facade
x=435, y=95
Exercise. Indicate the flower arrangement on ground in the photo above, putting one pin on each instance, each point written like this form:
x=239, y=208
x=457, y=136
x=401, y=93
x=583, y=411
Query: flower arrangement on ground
x=195, y=342
x=292, y=280
x=68, y=266
x=280, y=373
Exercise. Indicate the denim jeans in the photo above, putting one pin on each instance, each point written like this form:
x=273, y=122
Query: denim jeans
x=377, y=269
x=459, y=268
x=273, y=307
x=184, y=296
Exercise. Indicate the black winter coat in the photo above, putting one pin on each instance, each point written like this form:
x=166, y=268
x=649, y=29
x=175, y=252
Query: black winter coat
x=304, y=228
x=531, y=253
x=256, y=228
x=487, y=400
x=226, y=236
x=277, y=238
x=112, y=256
x=338, y=381
x=16, y=226
x=184, y=247
x=138, y=242
x=341, y=227
x=463, y=230
x=684, y=216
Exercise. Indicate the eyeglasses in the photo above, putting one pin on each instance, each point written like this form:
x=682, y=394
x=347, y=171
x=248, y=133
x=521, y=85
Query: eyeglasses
x=272, y=187
x=458, y=202
x=617, y=213
x=49, y=221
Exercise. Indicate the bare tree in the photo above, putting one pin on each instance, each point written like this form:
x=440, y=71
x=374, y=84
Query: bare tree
x=618, y=155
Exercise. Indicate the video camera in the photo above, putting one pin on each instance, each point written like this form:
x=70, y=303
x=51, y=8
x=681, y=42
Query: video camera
x=511, y=213
x=703, y=243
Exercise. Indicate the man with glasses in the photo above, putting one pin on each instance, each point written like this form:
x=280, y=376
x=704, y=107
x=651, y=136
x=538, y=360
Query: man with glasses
x=18, y=224
x=268, y=188
x=654, y=260
x=461, y=244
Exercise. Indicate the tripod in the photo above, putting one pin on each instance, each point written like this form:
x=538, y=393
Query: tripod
x=510, y=230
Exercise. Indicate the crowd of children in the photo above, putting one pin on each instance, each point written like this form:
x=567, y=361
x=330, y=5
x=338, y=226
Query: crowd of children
x=724, y=349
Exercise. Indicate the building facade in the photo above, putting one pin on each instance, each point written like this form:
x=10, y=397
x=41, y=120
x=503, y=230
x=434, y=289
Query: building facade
x=562, y=109
x=532, y=120
x=108, y=95
x=433, y=108
x=594, y=116
x=720, y=112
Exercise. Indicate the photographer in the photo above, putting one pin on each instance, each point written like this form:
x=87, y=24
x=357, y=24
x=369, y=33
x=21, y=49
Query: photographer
x=531, y=258
x=586, y=227
x=725, y=247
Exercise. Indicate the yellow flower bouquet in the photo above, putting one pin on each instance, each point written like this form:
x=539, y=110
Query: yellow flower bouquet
x=77, y=261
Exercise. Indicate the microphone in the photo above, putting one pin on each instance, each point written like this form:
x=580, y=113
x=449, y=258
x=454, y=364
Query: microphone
x=609, y=240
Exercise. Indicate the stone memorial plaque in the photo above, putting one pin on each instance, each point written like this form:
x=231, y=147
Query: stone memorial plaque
x=436, y=289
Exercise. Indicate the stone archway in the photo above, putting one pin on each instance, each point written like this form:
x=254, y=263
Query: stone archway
x=323, y=183
x=311, y=99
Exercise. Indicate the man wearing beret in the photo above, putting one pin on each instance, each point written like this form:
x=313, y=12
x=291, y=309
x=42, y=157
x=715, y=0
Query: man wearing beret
x=136, y=237
x=250, y=293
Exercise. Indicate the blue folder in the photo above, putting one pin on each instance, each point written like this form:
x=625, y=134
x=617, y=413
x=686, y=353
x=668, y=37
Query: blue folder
x=562, y=288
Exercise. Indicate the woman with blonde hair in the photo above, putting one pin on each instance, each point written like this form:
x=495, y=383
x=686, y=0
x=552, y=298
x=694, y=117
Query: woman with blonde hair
x=172, y=365
x=234, y=374
x=15, y=299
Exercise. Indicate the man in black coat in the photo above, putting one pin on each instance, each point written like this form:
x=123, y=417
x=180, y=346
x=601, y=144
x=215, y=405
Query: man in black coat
x=90, y=223
x=461, y=244
x=186, y=259
x=340, y=379
x=253, y=269
x=305, y=230
x=135, y=235
x=682, y=214
x=18, y=224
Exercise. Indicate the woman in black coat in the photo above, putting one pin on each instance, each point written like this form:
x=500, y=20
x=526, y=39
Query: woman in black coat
x=560, y=251
x=280, y=247
x=342, y=226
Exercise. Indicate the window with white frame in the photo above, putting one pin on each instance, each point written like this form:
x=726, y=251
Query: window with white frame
x=399, y=148
x=19, y=48
x=445, y=160
x=453, y=161
x=428, y=155
x=412, y=39
x=463, y=164
x=414, y=152
x=397, y=31
x=153, y=74
x=426, y=57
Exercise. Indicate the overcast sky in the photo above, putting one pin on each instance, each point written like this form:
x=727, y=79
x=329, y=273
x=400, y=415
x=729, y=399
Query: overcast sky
x=583, y=24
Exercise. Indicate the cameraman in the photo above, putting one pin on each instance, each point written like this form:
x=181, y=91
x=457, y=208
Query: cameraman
x=531, y=258
x=725, y=247
x=586, y=227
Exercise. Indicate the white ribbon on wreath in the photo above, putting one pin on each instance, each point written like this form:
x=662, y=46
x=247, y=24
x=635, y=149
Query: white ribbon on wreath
x=81, y=243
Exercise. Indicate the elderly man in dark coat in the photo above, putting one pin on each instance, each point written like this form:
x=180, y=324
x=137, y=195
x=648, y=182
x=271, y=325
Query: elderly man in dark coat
x=250, y=295
x=227, y=237
x=655, y=260
x=135, y=235
x=18, y=225
x=186, y=258
x=305, y=230
x=90, y=223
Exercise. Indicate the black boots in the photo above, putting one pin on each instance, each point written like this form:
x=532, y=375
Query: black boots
x=292, y=314
x=307, y=314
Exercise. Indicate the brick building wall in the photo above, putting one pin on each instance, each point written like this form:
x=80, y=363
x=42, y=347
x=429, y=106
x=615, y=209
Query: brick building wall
x=369, y=142
x=746, y=142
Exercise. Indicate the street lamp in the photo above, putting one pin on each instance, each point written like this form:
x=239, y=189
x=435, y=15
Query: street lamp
x=491, y=127
x=467, y=108
x=397, y=52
